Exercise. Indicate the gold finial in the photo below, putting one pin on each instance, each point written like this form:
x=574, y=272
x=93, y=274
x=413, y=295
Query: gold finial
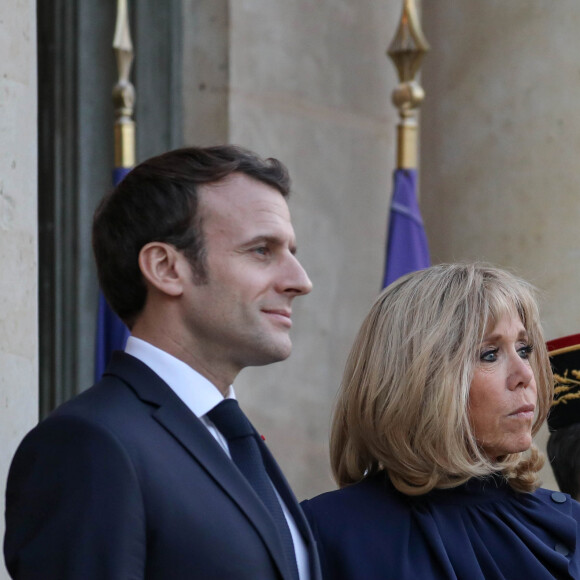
x=123, y=91
x=407, y=51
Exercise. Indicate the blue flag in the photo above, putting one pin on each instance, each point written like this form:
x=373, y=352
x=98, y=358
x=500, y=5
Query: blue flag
x=407, y=248
x=112, y=334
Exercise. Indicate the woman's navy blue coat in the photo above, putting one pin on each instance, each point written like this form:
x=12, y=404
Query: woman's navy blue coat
x=482, y=530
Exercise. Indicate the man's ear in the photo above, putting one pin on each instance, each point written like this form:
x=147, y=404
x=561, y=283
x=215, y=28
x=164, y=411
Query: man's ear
x=162, y=268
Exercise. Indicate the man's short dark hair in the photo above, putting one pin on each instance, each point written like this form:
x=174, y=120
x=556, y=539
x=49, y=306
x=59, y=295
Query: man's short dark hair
x=157, y=202
x=564, y=454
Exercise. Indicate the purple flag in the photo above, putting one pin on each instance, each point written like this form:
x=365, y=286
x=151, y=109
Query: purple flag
x=112, y=334
x=407, y=248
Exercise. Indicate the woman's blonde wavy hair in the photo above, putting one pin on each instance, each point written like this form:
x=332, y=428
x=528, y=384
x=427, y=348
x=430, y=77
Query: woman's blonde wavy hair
x=403, y=402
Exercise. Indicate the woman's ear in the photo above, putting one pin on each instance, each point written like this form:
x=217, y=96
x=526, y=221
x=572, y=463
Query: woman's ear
x=161, y=267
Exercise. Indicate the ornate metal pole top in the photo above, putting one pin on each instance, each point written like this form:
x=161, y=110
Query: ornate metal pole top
x=407, y=51
x=123, y=91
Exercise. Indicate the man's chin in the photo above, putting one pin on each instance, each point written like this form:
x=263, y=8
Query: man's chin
x=273, y=354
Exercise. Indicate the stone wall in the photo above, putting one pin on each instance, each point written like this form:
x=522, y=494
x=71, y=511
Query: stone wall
x=18, y=232
x=500, y=177
x=309, y=82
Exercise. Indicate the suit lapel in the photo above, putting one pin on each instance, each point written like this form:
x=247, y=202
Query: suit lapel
x=291, y=502
x=188, y=430
x=284, y=490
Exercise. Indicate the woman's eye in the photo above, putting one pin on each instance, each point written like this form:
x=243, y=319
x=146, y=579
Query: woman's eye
x=489, y=355
x=525, y=351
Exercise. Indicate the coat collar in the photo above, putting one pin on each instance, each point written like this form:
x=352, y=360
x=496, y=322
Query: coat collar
x=170, y=412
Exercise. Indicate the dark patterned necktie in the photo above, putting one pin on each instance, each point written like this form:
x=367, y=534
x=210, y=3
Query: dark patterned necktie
x=244, y=448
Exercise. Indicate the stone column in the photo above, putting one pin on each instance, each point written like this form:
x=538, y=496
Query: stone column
x=18, y=232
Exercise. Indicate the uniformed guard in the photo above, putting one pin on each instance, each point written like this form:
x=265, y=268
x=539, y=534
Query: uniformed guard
x=564, y=417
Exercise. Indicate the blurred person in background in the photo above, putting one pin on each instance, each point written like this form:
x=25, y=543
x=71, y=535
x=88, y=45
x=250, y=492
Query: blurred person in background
x=564, y=418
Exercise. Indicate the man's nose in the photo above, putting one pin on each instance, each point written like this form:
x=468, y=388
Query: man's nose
x=296, y=280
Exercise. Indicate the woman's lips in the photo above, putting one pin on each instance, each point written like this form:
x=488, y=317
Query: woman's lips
x=525, y=411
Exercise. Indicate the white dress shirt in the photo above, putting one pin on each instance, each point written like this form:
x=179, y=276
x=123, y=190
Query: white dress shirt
x=201, y=396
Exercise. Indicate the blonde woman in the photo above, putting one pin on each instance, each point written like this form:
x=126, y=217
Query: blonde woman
x=446, y=384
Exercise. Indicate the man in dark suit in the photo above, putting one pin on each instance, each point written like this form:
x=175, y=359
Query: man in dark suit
x=133, y=479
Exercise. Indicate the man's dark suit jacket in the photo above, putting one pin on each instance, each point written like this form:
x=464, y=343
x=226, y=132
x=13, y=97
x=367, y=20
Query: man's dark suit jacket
x=124, y=482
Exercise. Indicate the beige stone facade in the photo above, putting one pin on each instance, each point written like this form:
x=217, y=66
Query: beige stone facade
x=500, y=141
x=18, y=232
